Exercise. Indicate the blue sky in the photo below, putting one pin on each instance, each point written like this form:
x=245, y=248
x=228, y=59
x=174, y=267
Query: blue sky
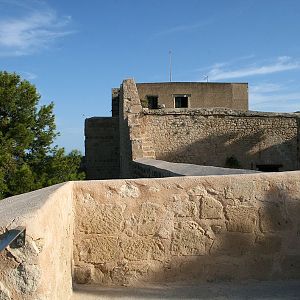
x=76, y=51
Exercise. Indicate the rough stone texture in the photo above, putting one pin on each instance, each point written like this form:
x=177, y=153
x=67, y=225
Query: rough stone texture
x=211, y=132
x=210, y=208
x=211, y=136
x=188, y=239
x=99, y=249
x=42, y=268
x=241, y=218
x=26, y=278
x=83, y=274
x=4, y=292
x=130, y=129
x=190, y=228
x=209, y=228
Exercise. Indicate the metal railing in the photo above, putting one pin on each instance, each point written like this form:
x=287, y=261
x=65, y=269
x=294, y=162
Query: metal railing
x=15, y=238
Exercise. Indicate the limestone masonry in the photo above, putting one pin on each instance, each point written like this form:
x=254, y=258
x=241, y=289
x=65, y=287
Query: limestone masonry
x=198, y=123
x=200, y=223
x=136, y=231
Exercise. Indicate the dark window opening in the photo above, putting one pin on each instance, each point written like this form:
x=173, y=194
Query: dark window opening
x=268, y=168
x=152, y=102
x=181, y=101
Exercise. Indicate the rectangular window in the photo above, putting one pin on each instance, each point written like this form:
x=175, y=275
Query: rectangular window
x=152, y=102
x=181, y=101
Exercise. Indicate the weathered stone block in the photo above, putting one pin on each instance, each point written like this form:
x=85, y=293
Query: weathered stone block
x=183, y=207
x=149, y=218
x=210, y=208
x=241, y=218
x=233, y=244
x=189, y=239
x=83, y=274
x=159, y=249
x=129, y=190
x=137, y=248
x=166, y=226
x=121, y=275
x=272, y=217
x=26, y=278
x=99, y=249
x=105, y=219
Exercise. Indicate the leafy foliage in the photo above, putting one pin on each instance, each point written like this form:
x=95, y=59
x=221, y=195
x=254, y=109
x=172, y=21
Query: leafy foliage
x=28, y=159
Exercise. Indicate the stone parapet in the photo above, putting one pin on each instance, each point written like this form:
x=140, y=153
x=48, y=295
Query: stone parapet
x=152, y=168
x=130, y=232
x=217, y=111
x=212, y=228
x=42, y=269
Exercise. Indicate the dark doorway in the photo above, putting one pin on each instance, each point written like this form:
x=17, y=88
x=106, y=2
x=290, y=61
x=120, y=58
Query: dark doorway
x=268, y=168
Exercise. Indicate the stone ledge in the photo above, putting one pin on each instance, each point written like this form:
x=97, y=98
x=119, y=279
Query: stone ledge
x=217, y=111
x=180, y=169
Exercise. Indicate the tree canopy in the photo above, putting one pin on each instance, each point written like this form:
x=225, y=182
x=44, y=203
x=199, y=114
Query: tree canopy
x=28, y=158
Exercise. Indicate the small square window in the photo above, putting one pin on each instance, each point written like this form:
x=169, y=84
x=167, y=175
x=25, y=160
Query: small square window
x=152, y=102
x=181, y=101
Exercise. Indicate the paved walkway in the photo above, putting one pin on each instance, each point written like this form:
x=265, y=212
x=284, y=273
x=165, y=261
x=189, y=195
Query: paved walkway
x=218, y=291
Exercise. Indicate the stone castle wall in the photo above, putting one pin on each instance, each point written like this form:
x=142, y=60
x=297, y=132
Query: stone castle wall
x=102, y=148
x=42, y=269
x=126, y=232
x=188, y=228
x=206, y=136
x=212, y=136
x=202, y=94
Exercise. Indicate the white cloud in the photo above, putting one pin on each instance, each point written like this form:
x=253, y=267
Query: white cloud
x=265, y=88
x=273, y=97
x=185, y=27
x=280, y=64
x=31, y=33
x=287, y=102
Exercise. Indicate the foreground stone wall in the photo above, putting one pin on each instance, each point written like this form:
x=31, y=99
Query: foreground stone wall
x=42, y=268
x=189, y=228
x=212, y=136
x=127, y=232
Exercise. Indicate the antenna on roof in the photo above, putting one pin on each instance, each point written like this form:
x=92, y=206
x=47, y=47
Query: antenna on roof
x=170, y=58
x=205, y=77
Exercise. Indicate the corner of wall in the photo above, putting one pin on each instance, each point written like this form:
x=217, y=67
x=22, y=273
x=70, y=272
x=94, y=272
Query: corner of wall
x=133, y=141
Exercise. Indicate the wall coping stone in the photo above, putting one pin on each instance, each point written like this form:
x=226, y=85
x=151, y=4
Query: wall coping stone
x=180, y=169
x=217, y=111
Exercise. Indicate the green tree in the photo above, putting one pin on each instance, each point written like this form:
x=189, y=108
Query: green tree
x=28, y=159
